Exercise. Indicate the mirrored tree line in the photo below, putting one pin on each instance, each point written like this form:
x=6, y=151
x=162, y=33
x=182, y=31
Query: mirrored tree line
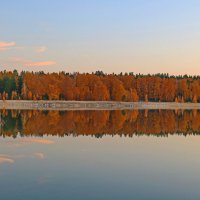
x=99, y=123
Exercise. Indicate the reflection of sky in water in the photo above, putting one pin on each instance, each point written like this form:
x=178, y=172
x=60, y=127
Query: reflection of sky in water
x=106, y=168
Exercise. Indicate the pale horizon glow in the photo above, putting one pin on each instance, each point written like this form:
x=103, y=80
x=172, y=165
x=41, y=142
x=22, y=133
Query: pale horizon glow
x=137, y=36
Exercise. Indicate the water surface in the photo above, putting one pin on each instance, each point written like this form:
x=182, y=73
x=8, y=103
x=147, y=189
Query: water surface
x=100, y=155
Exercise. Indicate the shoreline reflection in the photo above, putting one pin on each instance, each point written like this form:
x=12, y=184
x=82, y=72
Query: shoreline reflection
x=18, y=123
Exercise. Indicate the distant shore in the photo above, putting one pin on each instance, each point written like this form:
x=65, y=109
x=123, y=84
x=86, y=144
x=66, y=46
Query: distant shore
x=92, y=105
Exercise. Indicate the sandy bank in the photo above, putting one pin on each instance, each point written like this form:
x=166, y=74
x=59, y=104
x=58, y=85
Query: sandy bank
x=92, y=105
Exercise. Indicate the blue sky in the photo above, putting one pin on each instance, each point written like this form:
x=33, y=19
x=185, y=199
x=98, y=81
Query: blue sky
x=141, y=36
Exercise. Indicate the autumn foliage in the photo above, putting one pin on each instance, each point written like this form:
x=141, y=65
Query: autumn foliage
x=99, y=87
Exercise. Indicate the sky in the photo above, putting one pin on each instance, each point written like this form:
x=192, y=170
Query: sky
x=140, y=36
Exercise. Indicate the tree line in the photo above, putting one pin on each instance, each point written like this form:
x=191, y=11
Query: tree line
x=98, y=86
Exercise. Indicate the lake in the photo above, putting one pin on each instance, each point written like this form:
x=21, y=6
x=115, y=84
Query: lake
x=78, y=155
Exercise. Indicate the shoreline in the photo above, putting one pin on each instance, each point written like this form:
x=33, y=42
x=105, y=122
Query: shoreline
x=93, y=105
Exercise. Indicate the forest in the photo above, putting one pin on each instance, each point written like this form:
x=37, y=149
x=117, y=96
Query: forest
x=98, y=86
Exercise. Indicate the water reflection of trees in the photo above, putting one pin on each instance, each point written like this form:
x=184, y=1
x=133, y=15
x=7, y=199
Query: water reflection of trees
x=99, y=123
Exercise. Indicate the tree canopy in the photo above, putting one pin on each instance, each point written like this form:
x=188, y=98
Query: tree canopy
x=99, y=86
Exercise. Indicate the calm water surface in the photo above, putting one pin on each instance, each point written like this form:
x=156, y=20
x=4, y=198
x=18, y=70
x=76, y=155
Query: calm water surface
x=100, y=155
